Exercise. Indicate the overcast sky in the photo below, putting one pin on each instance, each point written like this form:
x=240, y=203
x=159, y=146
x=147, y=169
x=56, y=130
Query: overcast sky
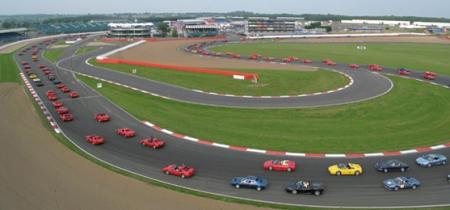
x=429, y=8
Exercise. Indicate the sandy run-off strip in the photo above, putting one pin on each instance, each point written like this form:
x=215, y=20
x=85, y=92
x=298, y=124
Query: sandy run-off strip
x=171, y=52
x=40, y=173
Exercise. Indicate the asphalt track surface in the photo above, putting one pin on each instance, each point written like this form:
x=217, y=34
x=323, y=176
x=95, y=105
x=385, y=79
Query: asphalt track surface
x=366, y=85
x=216, y=166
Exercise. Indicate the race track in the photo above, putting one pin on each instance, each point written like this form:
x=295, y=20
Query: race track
x=216, y=166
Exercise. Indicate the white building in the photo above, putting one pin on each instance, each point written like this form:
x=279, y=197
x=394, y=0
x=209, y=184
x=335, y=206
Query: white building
x=130, y=30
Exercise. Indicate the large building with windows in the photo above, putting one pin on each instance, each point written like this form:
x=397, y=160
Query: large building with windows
x=130, y=30
x=268, y=25
x=196, y=28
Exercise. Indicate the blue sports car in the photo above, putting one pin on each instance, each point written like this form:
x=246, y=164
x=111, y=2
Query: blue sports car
x=429, y=160
x=402, y=182
x=255, y=182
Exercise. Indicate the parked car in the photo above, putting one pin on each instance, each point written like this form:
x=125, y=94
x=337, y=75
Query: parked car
x=305, y=186
x=102, y=117
x=126, y=132
x=182, y=171
x=391, y=165
x=345, y=169
x=431, y=159
x=402, y=182
x=375, y=67
x=279, y=165
x=66, y=117
x=95, y=139
x=152, y=142
x=403, y=71
x=255, y=182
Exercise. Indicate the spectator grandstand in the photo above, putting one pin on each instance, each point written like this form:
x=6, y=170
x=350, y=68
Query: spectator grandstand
x=12, y=35
x=64, y=28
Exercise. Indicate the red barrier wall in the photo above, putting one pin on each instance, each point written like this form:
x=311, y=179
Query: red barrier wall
x=247, y=76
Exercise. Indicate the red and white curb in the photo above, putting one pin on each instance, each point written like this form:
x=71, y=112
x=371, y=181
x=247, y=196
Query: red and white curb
x=281, y=153
x=41, y=104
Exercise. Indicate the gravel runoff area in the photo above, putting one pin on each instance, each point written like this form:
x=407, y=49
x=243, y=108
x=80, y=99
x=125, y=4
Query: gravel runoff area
x=171, y=52
x=38, y=172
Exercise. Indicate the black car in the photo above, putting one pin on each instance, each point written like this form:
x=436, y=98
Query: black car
x=39, y=83
x=303, y=186
x=55, y=81
x=391, y=165
x=51, y=77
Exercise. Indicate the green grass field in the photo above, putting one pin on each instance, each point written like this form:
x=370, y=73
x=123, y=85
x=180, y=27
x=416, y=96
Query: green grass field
x=272, y=82
x=53, y=54
x=433, y=57
x=8, y=69
x=84, y=50
x=412, y=114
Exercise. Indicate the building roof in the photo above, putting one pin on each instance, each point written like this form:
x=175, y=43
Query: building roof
x=13, y=30
x=130, y=25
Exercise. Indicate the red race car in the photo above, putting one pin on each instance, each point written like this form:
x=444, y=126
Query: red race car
x=403, y=71
x=102, y=117
x=279, y=165
x=429, y=75
x=73, y=94
x=254, y=57
x=269, y=59
x=353, y=66
x=306, y=61
x=60, y=85
x=329, y=62
x=57, y=104
x=66, y=117
x=126, y=132
x=62, y=110
x=65, y=89
x=152, y=142
x=52, y=97
x=94, y=139
x=182, y=171
x=375, y=67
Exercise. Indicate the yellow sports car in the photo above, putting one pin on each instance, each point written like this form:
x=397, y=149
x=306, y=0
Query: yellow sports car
x=32, y=76
x=345, y=169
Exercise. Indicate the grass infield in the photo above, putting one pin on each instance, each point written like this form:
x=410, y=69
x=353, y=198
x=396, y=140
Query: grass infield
x=272, y=82
x=8, y=69
x=413, y=114
x=421, y=57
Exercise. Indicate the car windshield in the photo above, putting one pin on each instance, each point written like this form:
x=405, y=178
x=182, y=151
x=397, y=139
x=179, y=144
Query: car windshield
x=431, y=157
x=342, y=165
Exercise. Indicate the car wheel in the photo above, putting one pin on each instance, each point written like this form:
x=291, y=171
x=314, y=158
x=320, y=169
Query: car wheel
x=385, y=170
x=258, y=188
x=167, y=172
x=183, y=176
x=396, y=188
x=357, y=173
x=317, y=192
x=429, y=165
x=154, y=147
x=402, y=169
x=444, y=162
x=294, y=192
x=237, y=186
x=414, y=187
x=270, y=168
x=289, y=169
x=338, y=173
